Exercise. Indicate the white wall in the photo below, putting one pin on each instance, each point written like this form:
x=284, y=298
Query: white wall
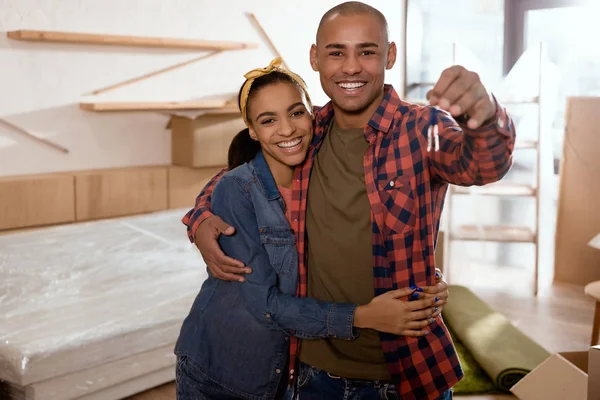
x=41, y=84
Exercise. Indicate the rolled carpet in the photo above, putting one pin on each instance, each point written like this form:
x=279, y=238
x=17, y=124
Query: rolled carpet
x=504, y=352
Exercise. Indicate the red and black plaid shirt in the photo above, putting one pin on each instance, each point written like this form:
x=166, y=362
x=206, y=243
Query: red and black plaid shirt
x=406, y=186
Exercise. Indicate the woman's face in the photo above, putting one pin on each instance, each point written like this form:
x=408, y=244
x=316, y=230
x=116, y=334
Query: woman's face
x=281, y=123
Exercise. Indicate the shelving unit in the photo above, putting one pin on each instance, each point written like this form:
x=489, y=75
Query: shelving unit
x=497, y=233
x=211, y=106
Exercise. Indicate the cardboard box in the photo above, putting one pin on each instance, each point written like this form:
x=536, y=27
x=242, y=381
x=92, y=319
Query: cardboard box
x=121, y=191
x=36, y=200
x=203, y=141
x=562, y=376
x=594, y=373
x=578, y=214
x=186, y=183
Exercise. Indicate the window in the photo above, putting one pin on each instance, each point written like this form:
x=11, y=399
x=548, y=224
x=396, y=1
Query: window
x=476, y=27
x=489, y=36
x=571, y=40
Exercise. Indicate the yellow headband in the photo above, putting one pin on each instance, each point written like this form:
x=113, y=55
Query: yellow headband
x=250, y=76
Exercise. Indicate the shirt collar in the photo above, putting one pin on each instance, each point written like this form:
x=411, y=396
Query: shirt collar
x=265, y=177
x=381, y=120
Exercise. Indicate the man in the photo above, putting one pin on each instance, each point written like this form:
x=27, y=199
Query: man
x=367, y=205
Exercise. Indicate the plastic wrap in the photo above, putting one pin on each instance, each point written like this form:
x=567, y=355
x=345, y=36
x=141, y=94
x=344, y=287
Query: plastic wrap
x=78, y=296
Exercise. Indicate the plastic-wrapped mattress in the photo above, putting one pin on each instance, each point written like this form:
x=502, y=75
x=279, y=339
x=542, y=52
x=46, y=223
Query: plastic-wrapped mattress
x=93, y=310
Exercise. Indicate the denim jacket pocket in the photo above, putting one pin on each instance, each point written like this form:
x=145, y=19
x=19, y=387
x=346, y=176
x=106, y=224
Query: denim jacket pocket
x=398, y=200
x=280, y=243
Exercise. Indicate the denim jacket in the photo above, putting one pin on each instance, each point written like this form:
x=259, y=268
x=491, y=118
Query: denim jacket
x=236, y=333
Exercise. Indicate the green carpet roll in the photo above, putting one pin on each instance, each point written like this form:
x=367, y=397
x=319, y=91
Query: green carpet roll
x=504, y=352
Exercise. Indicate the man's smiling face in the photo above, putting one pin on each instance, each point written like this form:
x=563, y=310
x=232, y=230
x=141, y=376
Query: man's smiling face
x=351, y=54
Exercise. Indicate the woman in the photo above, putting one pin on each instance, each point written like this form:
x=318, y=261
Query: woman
x=234, y=343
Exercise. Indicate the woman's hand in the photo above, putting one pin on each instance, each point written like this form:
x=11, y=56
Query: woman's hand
x=439, y=291
x=389, y=313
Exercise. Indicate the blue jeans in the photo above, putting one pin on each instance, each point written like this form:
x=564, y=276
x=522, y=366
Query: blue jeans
x=191, y=384
x=314, y=384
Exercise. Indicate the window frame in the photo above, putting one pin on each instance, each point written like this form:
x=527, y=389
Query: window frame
x=514, y=25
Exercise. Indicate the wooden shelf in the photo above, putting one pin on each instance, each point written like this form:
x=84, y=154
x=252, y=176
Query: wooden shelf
x=420, y=102
x=515, y=234
x=511, y=102
x=217, y=106
x=497, y=189
x=526, y=144
x=118, y=40
x=415, y=85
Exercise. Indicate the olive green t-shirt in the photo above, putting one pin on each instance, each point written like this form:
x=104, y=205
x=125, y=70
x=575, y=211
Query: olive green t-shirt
x=340, y=260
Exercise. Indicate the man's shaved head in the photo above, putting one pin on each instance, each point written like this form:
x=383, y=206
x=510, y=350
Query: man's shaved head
x=351, y=8
x=351, y=54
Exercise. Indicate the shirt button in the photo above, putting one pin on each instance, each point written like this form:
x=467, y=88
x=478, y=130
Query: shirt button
x=392, y=183
x=268, y=315
x=278, y=370
x=295, y=219
x=500, y=123
x=292, y=372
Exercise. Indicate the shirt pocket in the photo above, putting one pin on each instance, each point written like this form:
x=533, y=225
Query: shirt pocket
x=398, y=205
x=280, y=243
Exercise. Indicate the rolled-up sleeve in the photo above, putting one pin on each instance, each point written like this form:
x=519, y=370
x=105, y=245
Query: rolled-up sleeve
x=469, y=156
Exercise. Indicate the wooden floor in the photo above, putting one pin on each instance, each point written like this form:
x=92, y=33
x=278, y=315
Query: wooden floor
x=164, y=392
x=167, y=392
x=560, y=319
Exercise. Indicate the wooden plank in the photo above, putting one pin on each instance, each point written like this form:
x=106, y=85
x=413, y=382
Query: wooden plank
x=34, y=137
x=498, y=189
x=160, y=106
x=154, y=73
x=515, y=102
x=526, y=144
x=119, y=192
x=121, y=40
x=267, y=38
x=515, y=234
x=36, y=200
x=210, y=106
x=186, y=183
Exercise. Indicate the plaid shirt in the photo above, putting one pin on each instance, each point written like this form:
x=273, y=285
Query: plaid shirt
x=406, y=186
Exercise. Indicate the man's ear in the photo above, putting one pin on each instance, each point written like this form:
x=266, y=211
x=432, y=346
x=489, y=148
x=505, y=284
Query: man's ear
x=391, y=56
x=313, y=58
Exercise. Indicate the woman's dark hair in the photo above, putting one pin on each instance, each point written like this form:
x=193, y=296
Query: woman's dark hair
x=243, y=148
